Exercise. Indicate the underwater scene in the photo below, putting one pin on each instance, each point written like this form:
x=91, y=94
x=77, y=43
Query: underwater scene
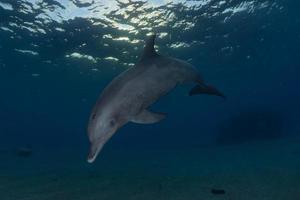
x=149, y=100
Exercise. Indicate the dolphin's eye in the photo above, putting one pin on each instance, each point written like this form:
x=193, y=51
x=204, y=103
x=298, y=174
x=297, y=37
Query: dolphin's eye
x=93, y=116
x=112, y=122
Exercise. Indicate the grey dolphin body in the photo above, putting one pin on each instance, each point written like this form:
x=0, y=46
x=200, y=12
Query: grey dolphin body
x=128, y=96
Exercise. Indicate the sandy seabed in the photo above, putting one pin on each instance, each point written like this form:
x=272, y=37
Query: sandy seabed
x=268, y=170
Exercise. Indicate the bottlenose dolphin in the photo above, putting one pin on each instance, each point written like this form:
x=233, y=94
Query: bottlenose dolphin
x=128, y=96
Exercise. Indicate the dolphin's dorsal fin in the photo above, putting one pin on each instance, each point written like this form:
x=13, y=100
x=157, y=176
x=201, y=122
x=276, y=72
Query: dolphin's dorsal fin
x=149, y=51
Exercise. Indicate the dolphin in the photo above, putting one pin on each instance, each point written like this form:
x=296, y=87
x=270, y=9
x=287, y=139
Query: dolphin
x=128, y=96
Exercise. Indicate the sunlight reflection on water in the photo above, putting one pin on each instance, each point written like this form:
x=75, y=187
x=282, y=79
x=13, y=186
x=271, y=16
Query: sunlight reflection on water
x=76, y=24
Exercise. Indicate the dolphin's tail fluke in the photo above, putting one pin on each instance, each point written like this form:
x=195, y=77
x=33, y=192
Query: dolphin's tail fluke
x=206, y=89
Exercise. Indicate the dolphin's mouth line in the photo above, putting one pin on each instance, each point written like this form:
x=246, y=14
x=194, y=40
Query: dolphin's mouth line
x=96, y=146
x=93, y=153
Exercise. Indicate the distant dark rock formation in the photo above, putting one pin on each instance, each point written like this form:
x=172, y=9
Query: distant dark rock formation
x=250, y=125
x=24, y=152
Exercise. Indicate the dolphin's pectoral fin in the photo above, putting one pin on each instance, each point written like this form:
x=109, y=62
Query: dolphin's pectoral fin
x=206, y=89
x=148, y=117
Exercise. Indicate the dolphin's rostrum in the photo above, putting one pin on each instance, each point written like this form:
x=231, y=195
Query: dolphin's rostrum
x=128, y=97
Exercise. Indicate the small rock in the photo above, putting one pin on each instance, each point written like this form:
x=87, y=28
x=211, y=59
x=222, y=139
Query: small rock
x=218, y=191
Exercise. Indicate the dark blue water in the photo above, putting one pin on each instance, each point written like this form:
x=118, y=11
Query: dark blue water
x=57, y=56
